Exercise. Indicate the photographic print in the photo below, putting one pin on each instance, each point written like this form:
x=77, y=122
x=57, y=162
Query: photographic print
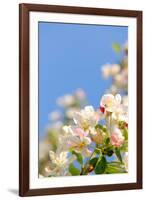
x=80, y=99
x=83, y=99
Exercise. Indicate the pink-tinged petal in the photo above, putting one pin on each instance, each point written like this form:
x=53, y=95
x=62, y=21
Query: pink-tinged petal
x=80, y=132
x=117, y=138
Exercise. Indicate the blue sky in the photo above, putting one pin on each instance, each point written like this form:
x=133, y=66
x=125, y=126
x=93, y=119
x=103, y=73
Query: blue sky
x=70, y=57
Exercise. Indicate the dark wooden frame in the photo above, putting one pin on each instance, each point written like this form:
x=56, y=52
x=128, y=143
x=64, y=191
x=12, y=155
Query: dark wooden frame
x=24, y=10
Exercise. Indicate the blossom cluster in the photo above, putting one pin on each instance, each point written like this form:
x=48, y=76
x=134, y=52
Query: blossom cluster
x=118, y=72
x=88, y=143
x=81, y=140
x=67, y=105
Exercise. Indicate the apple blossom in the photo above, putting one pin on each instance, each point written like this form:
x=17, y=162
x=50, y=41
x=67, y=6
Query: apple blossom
x=80, y=94
x=125, y=100
x=109, y=102
x=113, y=90
x=61, y=163
x=118, y=73
x=82, y=134
x=121, y=79
x=86, y=117
x=110, y=70
x=66, y=101
x=70, y=112
x=59, y=159
x=115, y=68
x=117, y=138
x=121, y=113
x=67, y=130
x=55, y=115
x=97, y=135
x=106, y=70
x=78, y=142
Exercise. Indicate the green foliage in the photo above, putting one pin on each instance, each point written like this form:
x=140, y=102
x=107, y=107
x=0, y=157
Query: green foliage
x=114, y=168
x=91, y=165
x=73, y=170
x=122, y=124
x=118, y=154
x=108, y=151
x=107, y=141
x=98, y=126
x=101, y=127
x=125, y=133
x=93, y=161
x=79, y=157
x=124, y=147
x=116, y=47
x=100, y=165
x=97, y=151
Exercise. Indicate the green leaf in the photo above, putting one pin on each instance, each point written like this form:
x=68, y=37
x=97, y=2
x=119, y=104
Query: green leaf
x=98, y=126
x=100, y=165
x=124, y=147
x=107, y=141
x=116, y=47
x=73, y=170
x=79, y=157
x=122, y=125
x=114, y=168
x=91, y=165
x=93, y=161
x=118, y=154
x=125, y=133
x=102, y=128
x=108, y=151
x=97, y=151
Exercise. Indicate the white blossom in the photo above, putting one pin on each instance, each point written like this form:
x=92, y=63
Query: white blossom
x=55, y=115
x=125, y=100
x=110, y=70
x=67, y=130
x=106, y=70
x=61, y=162
x=80, y=94
x=86, y=117
x=70, y=112
x=121, y=113
x=109, y=102
x=79, y=144
x=115, y=69
x=117, y=138
x=66, y=101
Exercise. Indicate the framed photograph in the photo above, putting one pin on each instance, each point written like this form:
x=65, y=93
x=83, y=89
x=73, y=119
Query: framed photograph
x=80, y=99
